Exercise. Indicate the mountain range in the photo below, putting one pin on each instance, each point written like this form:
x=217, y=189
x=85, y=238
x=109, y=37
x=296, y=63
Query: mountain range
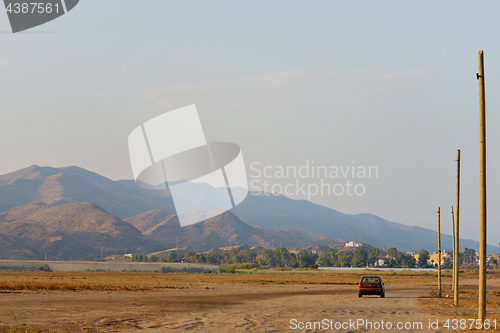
x=82, y=230
x=68, y=231
x=274, y=212
x=71, y=213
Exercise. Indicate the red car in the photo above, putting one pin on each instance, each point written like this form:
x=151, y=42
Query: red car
x=371, y=285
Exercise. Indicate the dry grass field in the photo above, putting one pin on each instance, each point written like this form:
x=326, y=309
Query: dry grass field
x=71, y=281
x=468, y=299
x=250, y=300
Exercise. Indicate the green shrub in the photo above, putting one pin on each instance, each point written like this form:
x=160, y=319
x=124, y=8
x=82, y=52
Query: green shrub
x=309, y=267
x=229, y=269
x=247, y=265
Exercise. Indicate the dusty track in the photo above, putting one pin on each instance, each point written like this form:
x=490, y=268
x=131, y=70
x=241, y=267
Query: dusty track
x=225, y=308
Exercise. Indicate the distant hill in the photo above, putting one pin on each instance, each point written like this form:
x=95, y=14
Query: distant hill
x=223, y=230
x=275, y=212
x=79, y=230
x=277, y=217
x=13, y=249
x=152, y=220
x=70, y=231
x=58, y=186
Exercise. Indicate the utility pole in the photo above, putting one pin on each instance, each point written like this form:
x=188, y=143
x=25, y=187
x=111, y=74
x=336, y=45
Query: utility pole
x=453, y=250
x=482, y=189
x=457, y=235
x=439, y=250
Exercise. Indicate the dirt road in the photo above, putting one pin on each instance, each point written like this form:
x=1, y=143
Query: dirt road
x=216, y=308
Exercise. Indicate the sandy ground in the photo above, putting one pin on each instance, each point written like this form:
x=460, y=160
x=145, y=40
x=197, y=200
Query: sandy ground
x=214, y=308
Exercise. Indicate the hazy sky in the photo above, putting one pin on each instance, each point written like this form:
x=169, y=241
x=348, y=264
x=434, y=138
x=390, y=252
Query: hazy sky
x=389, y=84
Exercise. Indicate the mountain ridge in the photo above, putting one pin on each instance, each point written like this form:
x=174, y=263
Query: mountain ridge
x=125, y=199
x=74, y=184
x=69, y=231
x=80, y=230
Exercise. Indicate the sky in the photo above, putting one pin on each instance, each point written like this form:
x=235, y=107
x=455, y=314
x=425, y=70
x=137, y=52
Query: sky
x=339, y=83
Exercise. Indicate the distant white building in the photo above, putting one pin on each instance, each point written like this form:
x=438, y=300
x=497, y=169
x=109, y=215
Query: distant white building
x=353, y=244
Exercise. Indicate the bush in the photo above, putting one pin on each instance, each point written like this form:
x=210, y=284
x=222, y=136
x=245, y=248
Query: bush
x=45, y=268
x=308, y=267
x=229, y=269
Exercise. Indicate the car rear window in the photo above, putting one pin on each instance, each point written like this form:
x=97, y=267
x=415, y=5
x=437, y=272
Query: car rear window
x=370, y=280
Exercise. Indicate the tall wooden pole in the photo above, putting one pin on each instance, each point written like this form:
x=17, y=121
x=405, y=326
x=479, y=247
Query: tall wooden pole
x=457, y=235
x=453, y=250
x=439, y=250
x=482, y=190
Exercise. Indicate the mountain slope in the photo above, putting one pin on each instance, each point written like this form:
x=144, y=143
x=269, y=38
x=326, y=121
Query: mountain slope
x=222, y=230
x=79, y=230
x=275, y=212
x=13, y=249
x=152, y=219
x=74, y=184
x=125, y=199
x=69, y=231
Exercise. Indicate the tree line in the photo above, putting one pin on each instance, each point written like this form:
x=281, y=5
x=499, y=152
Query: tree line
x=375, y=257
x=279, y=257
x=282, y=257
x=218, y=257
